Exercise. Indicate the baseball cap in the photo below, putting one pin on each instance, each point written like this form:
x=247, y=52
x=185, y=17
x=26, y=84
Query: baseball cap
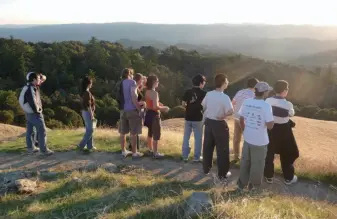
x=28, y=74
x=263, y=87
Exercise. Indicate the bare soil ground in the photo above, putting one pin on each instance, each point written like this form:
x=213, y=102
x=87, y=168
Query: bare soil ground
x=9, y=132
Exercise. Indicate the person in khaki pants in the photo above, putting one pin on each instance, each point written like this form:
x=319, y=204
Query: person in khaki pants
x=256, y=117
x=237, y=101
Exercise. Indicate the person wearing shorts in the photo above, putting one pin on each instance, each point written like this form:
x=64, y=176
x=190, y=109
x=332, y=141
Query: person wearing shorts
x=152, y=117
x=130, y=119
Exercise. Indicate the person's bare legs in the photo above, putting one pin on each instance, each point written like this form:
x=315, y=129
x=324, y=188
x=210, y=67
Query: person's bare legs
x=133, y=139
x=155, y=146
x=150, y=143
x=123, y=142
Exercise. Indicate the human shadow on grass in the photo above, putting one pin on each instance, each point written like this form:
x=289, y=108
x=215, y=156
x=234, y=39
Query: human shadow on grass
x=119, y=200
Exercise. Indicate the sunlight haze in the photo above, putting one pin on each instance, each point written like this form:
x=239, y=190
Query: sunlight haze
x=168, y=12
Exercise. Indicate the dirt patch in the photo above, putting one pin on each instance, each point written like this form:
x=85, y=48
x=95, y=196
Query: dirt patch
x=10, y=132
x=180, y=171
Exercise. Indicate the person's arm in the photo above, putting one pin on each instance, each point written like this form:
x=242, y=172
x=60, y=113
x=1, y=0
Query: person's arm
x=134, y=95
x=227, y=104
x=31, y=99
x=291, y=109
x=184, y=100
x=204, y=103
x=269, y=117
x=242, y=122
x=156, y=103
x=87, y=104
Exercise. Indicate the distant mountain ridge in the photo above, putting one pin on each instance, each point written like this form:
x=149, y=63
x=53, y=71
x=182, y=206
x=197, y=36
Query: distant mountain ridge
x=283, y=42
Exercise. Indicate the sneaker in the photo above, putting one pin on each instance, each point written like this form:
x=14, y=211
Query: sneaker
x=269, y=180
x=289, y=182
x=196, y=160
x=137, y=155
x=228, y=174
x=92, y=149
x=158, y=155
x=33, y=151
x=48, y=152
x=185, y=159
x=126, y=153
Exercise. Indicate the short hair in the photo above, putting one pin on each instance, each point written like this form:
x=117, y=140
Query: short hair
x=126, y=72
x=280, y=86
x=252, y=82
x=138, y=77
x=150, y=81
x=219, y=80
x=198, y=79
x=259, y=94
x=32, y=76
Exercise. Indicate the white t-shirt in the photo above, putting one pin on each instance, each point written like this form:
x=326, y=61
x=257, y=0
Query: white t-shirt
x=256, y=114
x=282, y=109
x=216, y=104
x=238, y=99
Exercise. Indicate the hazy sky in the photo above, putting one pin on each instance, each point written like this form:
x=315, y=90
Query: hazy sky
x=317, y=12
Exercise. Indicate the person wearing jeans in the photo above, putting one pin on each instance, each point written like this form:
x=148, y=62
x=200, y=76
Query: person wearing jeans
x=218, y=107
x=30, y=102
x=193, y=118
x=88, y=109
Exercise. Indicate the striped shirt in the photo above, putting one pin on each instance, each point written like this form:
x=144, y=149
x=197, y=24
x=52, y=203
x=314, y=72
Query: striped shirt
x=238, y=99
x=282, y=109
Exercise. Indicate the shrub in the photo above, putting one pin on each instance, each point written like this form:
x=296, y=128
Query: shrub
x=309, y=111
x=107, y=115
x=48, y=113
x=68, y=117
x=326, y=114
x=54, y=124
x=6, y=116
x=176, y=112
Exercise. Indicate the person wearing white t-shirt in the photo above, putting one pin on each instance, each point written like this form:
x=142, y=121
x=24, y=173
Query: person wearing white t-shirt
x=256, y=117
x=217, y=107
x=237, y=101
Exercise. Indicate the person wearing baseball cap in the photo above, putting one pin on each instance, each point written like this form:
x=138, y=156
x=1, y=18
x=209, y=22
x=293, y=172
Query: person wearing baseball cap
x=256, y=117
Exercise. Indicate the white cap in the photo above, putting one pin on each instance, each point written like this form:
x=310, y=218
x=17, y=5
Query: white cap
x=263, y=87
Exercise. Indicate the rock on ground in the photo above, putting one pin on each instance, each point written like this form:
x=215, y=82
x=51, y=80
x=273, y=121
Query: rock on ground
x=26, y=185
x=110, y=167
x=197, y=204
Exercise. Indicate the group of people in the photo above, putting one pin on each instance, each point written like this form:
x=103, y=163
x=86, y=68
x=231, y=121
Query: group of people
x=264, y=123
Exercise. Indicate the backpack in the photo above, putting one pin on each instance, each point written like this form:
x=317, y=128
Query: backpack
x=119, y=95
x=23, y=101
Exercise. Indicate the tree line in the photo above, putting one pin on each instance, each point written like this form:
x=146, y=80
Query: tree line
x=65, y=63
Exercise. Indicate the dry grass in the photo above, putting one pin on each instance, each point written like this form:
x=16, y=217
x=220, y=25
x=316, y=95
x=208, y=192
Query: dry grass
x=316, y=140
x=140, y=194
x=233, y=204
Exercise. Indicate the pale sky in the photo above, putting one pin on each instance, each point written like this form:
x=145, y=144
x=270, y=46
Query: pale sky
x=316, y=12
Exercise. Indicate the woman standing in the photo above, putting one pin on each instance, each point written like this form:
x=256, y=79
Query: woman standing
x=152, y=117
x=88, y=109
x=139, y=78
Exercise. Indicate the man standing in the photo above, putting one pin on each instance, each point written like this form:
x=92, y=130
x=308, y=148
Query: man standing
x=30, y=102
x=237, y=101
x=217, y=107
x=130, y=119
x=193, y=117
x=256, y=117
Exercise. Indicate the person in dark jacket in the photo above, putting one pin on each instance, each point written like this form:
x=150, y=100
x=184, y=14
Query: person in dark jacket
x=30, y=102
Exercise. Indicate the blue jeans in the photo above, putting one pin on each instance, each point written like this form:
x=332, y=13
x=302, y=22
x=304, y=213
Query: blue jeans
x=196, y=127
x=88, y=137
x=36, y=120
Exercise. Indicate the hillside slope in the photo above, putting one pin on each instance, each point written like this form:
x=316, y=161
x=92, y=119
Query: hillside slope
x=318, y=59
x=8, y=132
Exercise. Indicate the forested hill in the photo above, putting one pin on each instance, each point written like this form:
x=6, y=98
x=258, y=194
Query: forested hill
x=65, y=63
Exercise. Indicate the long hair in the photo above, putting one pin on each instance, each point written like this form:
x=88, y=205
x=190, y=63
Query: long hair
x=150, y=81
x=86, y=81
